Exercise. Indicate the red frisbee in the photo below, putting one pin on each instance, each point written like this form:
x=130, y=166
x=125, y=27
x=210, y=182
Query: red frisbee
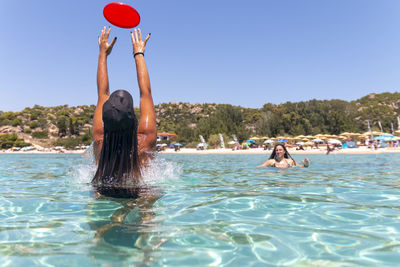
x=121, y=15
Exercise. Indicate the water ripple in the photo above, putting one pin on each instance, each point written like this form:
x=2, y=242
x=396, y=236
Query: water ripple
x=216, y=210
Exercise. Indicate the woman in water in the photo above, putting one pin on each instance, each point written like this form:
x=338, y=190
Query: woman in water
x=122, y=146
x=280, y=158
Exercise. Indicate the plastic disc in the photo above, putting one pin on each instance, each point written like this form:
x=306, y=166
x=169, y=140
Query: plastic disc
x=121, y=15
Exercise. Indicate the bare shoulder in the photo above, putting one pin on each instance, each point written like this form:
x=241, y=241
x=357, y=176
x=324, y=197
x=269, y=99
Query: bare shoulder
x=270, y=162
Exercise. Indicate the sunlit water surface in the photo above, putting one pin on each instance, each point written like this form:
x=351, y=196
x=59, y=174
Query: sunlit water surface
x=216, y=210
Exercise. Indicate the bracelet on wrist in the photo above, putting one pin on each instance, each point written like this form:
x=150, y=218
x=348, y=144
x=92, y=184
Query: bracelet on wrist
x=138, y=53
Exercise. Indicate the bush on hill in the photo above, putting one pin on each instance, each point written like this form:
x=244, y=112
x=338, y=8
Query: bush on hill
x=11, y=140
x=40, y=134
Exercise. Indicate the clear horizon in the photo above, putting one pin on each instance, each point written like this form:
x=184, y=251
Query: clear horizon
x=226, y=52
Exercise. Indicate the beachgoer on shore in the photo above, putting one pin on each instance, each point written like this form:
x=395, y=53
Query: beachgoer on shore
x=122, y=146
x=280, y=158
x=329, y=148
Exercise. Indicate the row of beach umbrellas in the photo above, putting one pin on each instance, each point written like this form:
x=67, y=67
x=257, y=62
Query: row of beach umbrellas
x=309, y=139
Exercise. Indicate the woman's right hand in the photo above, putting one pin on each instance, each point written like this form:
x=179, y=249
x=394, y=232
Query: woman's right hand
x=138, y=45
x=103, y=41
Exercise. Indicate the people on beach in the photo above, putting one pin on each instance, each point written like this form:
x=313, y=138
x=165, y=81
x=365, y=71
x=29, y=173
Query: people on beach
x=122, y=146
x=329, y=149
x=280, y=158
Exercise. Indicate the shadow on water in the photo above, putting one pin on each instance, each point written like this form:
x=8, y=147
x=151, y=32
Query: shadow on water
x=123, y=227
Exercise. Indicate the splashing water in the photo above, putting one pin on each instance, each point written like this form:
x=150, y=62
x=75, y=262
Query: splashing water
x=158, y=170
x=84, y=172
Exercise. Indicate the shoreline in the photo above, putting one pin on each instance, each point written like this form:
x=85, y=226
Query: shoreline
x=253, y=151
x=44, y=152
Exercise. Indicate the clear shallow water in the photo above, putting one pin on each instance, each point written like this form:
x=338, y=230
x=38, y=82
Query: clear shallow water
x=216, y=210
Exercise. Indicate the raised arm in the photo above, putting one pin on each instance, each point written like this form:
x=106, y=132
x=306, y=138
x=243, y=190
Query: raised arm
x=103, y=90
x=306, y=163
x=147, y=130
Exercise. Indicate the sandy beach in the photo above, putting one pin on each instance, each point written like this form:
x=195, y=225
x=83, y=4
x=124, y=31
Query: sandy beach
x=361, y=150
x=43, y=152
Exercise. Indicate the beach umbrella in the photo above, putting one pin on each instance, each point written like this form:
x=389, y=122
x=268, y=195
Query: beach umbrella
x=317, y=140
x=334, y=141
x=250, y=141
x=178, y=144
x=386, y=138
x=309, y=143
x=269, y=141
x=171, y=145
x=39, y=148
x=255, y=138
x=231, y=142
x=300, y=143
x=377, y=133
x=265, y=137
x=163, y=145
x=200, y=145
x=282, y=141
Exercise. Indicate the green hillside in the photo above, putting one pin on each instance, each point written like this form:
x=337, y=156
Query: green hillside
x=71, y=126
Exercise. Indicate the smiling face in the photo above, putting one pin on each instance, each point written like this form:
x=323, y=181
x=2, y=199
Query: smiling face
x=280, y=151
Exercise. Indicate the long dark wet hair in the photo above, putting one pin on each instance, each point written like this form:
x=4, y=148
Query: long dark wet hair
x=119, y=166
x=286, y=156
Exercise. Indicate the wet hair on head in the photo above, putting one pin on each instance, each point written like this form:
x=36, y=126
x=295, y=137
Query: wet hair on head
x=286, y=155
x=119, y=165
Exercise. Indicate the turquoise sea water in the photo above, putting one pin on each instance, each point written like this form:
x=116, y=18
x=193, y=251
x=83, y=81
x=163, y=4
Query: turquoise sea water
x=203, y=210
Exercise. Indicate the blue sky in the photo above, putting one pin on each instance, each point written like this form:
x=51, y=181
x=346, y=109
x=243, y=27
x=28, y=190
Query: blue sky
x=244, y=53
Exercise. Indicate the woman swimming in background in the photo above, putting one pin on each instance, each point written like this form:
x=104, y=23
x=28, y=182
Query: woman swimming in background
x=280, y=158
x=121, y=145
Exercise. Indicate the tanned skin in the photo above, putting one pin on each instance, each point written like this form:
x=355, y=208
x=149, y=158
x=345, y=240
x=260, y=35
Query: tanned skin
x=147, y=131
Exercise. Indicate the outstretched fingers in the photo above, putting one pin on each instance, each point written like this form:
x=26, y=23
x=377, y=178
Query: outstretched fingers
x=140, y=35
x=108, y=32
x=147, y=38
x=136, y=36
x=113, y=42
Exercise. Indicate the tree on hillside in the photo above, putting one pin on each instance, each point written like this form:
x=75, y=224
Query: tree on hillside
x=61, y=124
x=227, y=119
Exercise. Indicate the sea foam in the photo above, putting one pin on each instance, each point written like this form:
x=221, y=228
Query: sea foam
x=157, y=171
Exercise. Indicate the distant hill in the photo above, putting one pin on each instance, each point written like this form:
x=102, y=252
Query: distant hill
x=71, y=126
